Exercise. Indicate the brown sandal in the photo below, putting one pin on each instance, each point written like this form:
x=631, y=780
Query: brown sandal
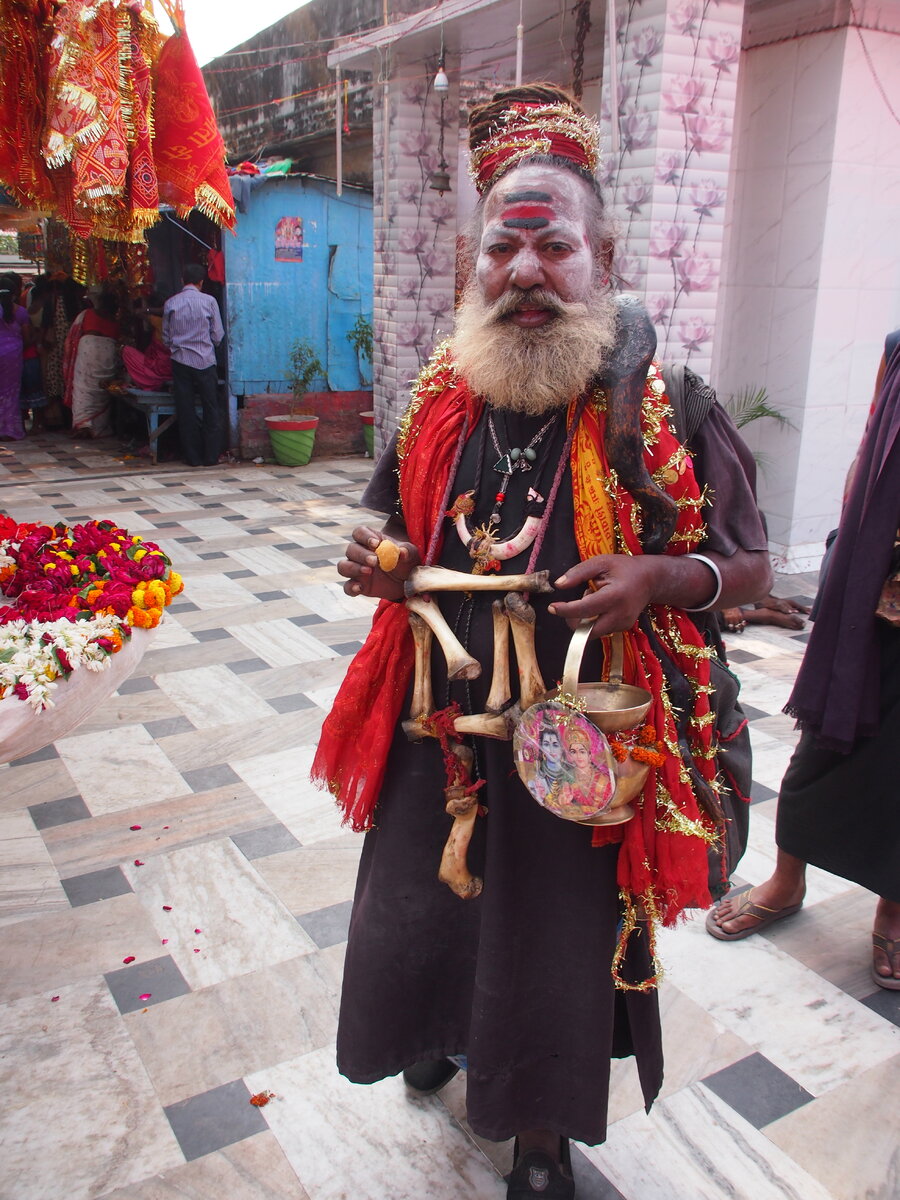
x=891, y=947
x=761, y=913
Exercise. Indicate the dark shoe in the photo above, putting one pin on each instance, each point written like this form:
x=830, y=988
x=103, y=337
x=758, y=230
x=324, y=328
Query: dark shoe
x=537, y=1174
x=426, y=1078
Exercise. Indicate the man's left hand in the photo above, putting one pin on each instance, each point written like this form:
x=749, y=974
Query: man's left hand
x=621, y=587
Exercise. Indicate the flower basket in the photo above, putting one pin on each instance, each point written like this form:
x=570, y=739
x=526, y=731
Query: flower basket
x=77, y=609
x=368, y=424
x=292, y=438
x=23, y=730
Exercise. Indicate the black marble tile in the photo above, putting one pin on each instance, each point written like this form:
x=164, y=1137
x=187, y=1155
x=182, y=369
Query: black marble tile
x=168, y=727
x=215, y=1119
x=58, y=812
x=270, y=839
x=295, y=703
x=741, y=656
x=243, y=574
x=42, y=755
x=137, y=683
x=346, y=647
x=328, y=926
x=182, y=606
x=320, y=562
x=96, y=885
x=307, y=619
x=246, y=665
x=193, y=538
x=210, y=555
x=211, y=635
x=271, y=595
x=235, y=516
x=204, y=779
x=758, y=1090
x=751, y=713
x=211, y=504
x=801, y=637
x=590, y=1183
x=158, y=979
x=285, y=546
x=759, y=792
x=885, y=1002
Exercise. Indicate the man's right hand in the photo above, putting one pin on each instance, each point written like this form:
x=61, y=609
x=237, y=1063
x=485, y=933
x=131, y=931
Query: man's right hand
x=363, y=574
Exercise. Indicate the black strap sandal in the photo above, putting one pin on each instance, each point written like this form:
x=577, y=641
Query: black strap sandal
x=538, y=1174
x=426, y=1078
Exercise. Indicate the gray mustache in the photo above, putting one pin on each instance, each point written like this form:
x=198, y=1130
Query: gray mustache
x=517, y=298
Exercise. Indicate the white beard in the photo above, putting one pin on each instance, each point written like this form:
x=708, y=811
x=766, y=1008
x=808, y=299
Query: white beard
x=536, y=369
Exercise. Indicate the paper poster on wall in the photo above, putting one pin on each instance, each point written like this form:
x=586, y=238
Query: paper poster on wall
x=289, y=240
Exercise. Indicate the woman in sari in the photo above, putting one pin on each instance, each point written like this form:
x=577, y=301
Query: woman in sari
x=96, y=361
x=13, y=319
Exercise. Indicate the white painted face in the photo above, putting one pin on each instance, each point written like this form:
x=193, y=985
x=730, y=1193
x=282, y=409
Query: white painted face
x=536, y=236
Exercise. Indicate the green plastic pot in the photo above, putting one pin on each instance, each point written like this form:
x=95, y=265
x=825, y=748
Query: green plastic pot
x=292, y=439
x=368, y=424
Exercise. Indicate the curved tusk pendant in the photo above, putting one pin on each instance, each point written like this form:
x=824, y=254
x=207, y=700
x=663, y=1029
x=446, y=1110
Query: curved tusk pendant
x=520, y=542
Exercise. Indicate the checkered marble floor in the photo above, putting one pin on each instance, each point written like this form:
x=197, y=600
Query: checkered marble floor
x=175, y=899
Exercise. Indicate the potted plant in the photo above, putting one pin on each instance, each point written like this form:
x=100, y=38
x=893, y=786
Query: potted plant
x=293, y=434
x=360, y=337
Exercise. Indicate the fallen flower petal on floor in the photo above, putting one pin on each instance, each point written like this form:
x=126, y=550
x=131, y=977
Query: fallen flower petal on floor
x=129, y=959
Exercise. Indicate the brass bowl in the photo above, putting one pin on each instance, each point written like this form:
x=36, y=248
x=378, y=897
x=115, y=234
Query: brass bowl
x=613, y=706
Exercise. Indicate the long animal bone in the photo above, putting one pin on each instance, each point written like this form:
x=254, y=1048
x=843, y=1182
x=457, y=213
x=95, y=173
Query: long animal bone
x=499, y=695
x=460, y=664
x=463, y=807
x=423, y=697
x=439, y=579
x=521, y=620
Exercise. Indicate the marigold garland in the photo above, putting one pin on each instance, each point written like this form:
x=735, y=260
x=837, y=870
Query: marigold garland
x=76, y=593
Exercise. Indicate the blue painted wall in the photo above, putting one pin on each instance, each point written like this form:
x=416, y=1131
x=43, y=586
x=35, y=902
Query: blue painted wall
x=271, y=304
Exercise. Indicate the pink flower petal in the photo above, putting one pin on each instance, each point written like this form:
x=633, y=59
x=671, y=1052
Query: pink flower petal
x=53, y=999
x=196, y=951
x=129, y=959
x=165, y=941
x=165, y=827
x=145, y=996
x=198, y=931
x=134, y=827
x=167, y=908
x=138, y=863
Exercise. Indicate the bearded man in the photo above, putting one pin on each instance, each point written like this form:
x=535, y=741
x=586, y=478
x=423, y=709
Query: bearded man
x=537, y=439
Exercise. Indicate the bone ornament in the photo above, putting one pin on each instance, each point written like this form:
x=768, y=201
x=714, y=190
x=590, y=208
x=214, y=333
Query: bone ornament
x=440, y=579
x=423, y=697
x=499, y=695
x=460, y=664
x=463, y=807
x=522, y=623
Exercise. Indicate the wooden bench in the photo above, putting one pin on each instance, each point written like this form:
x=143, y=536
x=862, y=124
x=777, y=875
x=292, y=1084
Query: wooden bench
x=158, y=408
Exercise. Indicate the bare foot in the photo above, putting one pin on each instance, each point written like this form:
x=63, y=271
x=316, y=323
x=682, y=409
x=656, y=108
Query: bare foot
x=773, y=616
x=734, y=620
x=887, y=923
x=772, y=894
x=783, y=606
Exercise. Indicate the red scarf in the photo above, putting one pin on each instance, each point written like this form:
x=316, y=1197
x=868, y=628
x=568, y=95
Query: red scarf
x=663, y=862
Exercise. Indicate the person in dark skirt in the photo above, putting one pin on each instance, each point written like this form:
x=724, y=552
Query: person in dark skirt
x=538, y=439
x=838, y=807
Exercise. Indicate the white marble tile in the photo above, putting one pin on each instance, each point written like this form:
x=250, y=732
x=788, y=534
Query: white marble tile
x=401, y=1147
x=758, y=862
x=770, y=758
x=330, y=601
x=211, y=528
x=218, y=591
x=211, y=696
x=693, y=1146
x=282, y=782
x=84, y=1118
x=281, y=643
x=170, y=632
x=810, y=1029
x=265, y=560
x=324, y=697
x=29, y=883
x=119, y=769
x=251, y=507
x=212, y=887
x=302, y=536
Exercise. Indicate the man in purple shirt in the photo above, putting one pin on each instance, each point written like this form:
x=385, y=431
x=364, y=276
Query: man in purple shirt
x=192, y=328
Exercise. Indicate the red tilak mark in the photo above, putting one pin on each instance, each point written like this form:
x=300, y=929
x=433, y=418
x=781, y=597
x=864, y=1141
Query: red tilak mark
x=528, y=212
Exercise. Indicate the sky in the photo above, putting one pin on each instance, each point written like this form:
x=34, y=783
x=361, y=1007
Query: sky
x=215, y=26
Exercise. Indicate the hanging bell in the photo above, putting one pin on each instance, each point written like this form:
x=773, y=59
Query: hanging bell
x=440, y=180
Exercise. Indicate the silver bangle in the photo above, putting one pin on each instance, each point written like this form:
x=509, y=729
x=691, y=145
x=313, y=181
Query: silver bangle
x=717, y=593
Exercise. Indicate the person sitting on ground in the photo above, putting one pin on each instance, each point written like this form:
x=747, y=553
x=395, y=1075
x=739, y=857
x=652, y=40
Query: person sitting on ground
x=771, y=610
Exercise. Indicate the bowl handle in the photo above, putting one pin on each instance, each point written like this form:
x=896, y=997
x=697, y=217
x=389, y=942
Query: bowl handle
x=613, y=650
